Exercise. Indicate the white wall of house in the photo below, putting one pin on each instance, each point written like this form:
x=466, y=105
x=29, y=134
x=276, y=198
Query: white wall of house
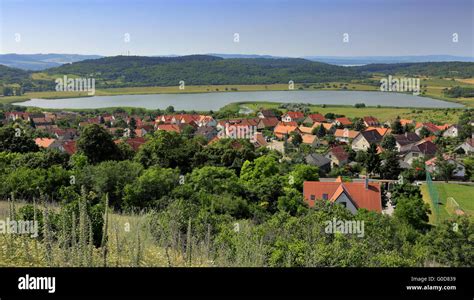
x=451, y=132
x=348, y=203
x=360, y=143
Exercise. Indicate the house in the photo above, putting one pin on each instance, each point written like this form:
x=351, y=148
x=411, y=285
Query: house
x=170, y=127
x=406, y=140
x=422, y=149
x=42, y=121
x=306, y=130
x=208, y=132
x=467, y=147
x=320, y=161
x=283, y=130
x=140, y=132
x=135, y=143
x=352, y=195
x=311, y=118
x=343, y=121
x=363, y=140
x=338, y=156
x=381, y=130
x=310, y=139
x=65, y=134
x=69, y=147
x=267, y=123
x=259, y=140
x=266, y=113
x=451, y=131
x=345, y=135
x=17, y=115
x=293, y=116
x=432, y=128
x=459, y=171
x=330, y=128
x=371, y=121
x=46, y=143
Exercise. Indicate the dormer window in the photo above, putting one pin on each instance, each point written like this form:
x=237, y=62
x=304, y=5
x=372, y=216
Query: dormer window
x=325, y=196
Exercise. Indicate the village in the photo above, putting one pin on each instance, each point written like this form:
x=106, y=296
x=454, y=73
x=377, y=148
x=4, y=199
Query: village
x=337, y=145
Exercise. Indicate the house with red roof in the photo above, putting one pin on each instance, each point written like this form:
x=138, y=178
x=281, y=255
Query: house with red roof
x=370, y=121
x=267, y=123
x=432, y=128
x=345, y=135
x=283, y=130
x=338, y=156
x=344, y=121
x=293, y=116
x=352, y=195
x=311, y=118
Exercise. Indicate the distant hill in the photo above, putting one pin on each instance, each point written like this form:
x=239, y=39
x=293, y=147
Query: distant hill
x=364, y=60
x=36, y=62
x=12, y=75
x=443, y=69
x=137, y=71
x=121, y=71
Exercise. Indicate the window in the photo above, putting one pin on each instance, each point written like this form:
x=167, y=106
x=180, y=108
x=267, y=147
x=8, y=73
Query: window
x=325, y=196
x=343, y=203
x=313, y=197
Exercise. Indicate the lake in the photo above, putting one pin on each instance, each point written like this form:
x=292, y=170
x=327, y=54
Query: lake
x=216, y=100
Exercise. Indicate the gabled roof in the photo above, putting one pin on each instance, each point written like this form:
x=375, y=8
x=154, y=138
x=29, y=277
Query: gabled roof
x=308, y=138
x=169, y=127
x=372, y=136
x=371, y=120
x=346, y=133
x=317, y=117
x=381, y=130
x=362, y=197
x=430, y=126
x=317, y=159
x=70, y=147
x=269, y=122
x=326, y=126
x=281, y=128
x=267, y=113
x=406, y=138
x=294, y=114
x=344, y=121
x=339, y=153
x=44, y=142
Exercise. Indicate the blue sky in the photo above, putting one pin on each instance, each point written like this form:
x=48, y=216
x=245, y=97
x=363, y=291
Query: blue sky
x=274, y=27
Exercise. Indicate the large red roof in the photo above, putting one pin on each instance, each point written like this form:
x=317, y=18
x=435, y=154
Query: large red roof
x=368, y=198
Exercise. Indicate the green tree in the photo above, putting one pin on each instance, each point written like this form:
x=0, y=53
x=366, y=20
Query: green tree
x=372, y=162
x=148, y=190
x=397, y=127
x=16, y=140
x=413, y=211
x=389, y=142
x=96, y=143
x=391, y=165
x=302, y=173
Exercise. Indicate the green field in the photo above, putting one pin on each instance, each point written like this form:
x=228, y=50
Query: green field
x=462, y=193
x=382, y=113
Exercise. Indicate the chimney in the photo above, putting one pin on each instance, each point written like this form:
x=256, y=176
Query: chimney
x=366, y=181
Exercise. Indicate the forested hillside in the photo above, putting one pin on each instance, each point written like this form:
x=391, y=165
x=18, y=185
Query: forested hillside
x=122, y=71
x=442, y=69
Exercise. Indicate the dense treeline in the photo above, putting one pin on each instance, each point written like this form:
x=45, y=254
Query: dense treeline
x=458, y=91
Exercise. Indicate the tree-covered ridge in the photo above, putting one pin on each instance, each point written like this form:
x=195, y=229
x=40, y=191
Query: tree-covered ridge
x=444, y=69
x=203, y=69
